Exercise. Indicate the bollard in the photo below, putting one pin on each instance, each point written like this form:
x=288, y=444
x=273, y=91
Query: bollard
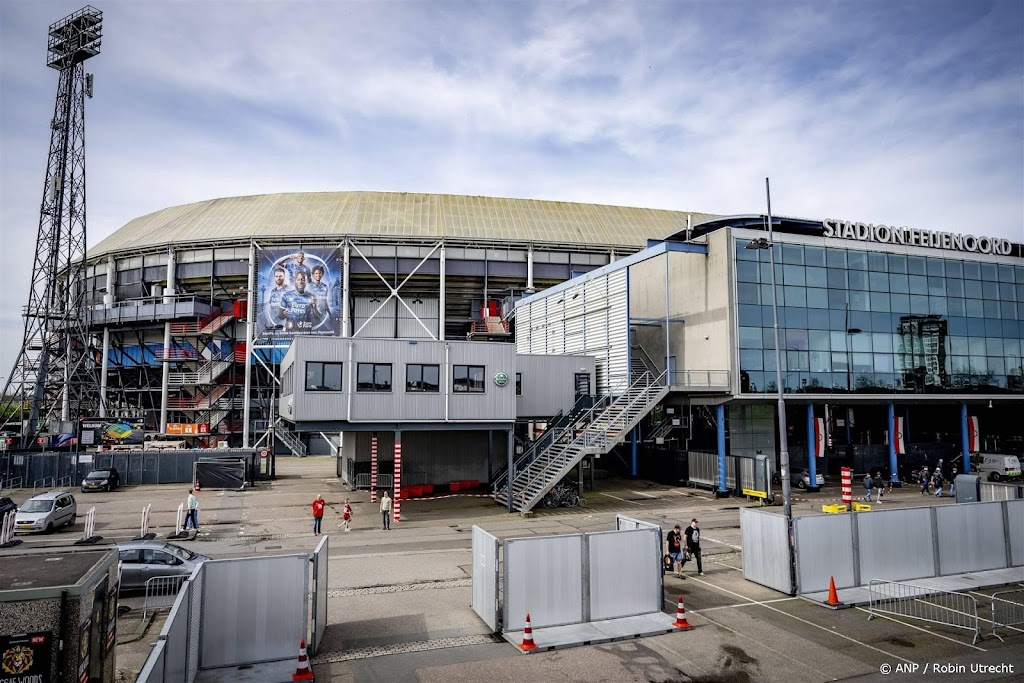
x=89, y=534
x=179, y=522
x=847, y=486
x=7, y=539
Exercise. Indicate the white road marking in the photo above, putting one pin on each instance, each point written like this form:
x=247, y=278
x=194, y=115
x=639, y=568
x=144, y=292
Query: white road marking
x=631, y=502
x=924, y=630
x=645, y=495
x=739, y=604
x=730, y=545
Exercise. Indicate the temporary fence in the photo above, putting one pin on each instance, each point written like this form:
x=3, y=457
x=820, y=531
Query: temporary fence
x=744, y=475
x=89, y=530
x=161, y=592
x=955, y=610
x=1007, y=609
x=144, y=527
x=989, y=490
x=7, y=528
x=364, y=480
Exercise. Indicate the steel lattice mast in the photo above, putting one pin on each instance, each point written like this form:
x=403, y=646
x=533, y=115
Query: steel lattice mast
x=54, y=379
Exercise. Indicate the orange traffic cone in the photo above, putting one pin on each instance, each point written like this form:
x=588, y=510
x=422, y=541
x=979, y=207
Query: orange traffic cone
x=196, y=487
x=833, y=597
x=302, y=671
x=527, y=643
x=681, y=621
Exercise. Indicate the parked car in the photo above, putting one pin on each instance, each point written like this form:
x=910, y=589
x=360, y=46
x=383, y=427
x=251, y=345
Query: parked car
x=6, y=505
x=996, y=466
x=802, y=479
x=101, y=480
x=143, y=560
x=46, y=512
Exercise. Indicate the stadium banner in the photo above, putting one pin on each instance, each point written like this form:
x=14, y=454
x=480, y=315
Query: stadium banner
x=112, y=431
x=299, y=291
x=187, y=428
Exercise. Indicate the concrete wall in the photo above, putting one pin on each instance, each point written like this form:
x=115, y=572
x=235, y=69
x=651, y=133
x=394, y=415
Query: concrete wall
x=700, y=293
x=494, y=404
x=549, y=383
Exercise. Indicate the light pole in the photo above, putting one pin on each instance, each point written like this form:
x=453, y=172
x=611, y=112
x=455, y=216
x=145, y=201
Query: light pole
x=787, y=499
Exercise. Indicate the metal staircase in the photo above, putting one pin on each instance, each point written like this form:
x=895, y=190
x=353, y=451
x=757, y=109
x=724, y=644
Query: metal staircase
x=665, y=427
x=596, y=431
x=288, y=438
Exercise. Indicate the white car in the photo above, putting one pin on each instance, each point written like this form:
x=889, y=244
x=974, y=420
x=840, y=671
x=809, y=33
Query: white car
x=803, y=479
x=46, y=512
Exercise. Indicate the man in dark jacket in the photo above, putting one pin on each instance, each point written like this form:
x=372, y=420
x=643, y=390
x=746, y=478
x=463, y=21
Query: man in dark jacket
x=693, y=544
x=674, y=549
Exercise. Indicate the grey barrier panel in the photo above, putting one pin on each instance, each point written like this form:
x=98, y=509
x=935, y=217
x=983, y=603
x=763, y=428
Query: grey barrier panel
x=254, y=609
x=175, y=635
x=485, y=577
x=543, y=576
x=824, y=549
x=150, y=468
x=1015, y=530
x=320, y=559
x=895, y=544
x=703, y=468
x=765, y=543
x=625, y=573
x=197, y=584
x=624, y=522
x=153, y=669
x=971, y=537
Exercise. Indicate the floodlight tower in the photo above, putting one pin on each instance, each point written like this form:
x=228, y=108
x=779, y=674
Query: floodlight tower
x=54, y=377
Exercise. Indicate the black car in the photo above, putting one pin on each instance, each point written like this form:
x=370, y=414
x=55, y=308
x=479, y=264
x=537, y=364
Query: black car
x=6, y=505
x=101, y=480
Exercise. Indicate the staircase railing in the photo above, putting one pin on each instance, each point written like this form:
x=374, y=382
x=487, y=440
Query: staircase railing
x=293, y=442
x=529, y=453
x=645, y=358
x=599, y=439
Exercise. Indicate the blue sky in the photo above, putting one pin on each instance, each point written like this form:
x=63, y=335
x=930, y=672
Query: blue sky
x=907, y=113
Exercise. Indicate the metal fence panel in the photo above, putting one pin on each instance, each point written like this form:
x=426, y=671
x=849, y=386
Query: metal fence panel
x=161, y=591
x=320, y=560
x=254, y=609
x=971, y=537
x=896, y=544
x=151, y=468
x=195, y=623
x=1015, y=516
x=957, y=610
x=175, y=634
x=703, y=468
x=824, y=549
x=625, y=573
x=765, y=549
x=543, y=576
x=153, y=669
x=1007, y=608
x=624, y=522
x=485, y=577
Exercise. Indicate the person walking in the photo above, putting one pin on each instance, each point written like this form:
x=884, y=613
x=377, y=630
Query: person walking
x=192, y=512
x=385, y=509
x=693, y=545
x=867, y=487
x=937, y=479
x=674, y=549
x=952, y=484
x=318, y=514
x=925, y=479
x=879, y=485
x=346, y=516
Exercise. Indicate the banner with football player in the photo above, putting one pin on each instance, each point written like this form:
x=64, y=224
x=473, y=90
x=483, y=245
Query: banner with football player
x=299, y=291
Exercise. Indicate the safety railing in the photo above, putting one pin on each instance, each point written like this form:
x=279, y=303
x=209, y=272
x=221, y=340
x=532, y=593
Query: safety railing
x=543, y=441
x=700, y=378
x=955, y=610
x=12, y=483
x=63, y=484
x=161, y=592
x=1007, y=609
x=44, y=483
x=384, y=481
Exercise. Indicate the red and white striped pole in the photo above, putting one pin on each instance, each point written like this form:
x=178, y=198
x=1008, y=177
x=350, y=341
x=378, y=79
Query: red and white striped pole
x=373, y=467
x=847, y=484
x=397, y=504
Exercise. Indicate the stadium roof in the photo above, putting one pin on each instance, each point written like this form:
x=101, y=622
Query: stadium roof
x=322, y=215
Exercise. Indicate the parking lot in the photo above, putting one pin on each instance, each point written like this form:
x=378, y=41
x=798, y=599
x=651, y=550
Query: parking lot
x=400, y=600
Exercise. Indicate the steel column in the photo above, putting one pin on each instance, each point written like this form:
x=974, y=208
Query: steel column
x=165, y=381
x=104, y=371
x=346, y=329
x=893, y=465
x=250, y=319
x=397, y=503
x=812, y=449
x=633, y=448
x=965, y=439
x=721, y=448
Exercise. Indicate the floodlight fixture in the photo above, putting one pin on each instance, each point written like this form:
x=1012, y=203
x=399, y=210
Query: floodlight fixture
x=75, y=38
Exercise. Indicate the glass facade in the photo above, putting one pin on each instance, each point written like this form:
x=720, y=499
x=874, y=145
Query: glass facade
x=876, y=322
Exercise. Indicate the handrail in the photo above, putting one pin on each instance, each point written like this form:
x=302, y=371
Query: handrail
x=651, y=365
x=503, y=476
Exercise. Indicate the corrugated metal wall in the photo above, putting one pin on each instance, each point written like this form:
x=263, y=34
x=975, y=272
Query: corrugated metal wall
x=588, y=318
x=549, y=383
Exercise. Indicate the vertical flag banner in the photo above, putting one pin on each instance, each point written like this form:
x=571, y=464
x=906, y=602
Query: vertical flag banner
x=819, y=437
x=299, y=291
x=973, y=434
x=897, y=427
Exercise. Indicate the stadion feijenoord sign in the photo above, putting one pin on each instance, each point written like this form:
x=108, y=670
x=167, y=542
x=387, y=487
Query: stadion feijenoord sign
x=869, y=232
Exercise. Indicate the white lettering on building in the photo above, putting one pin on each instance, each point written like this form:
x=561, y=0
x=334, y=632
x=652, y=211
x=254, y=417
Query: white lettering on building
x=869, y=232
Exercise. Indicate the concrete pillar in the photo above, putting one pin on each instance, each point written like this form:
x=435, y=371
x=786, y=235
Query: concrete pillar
x=965, y=439
x=108, y=297
x=812, y=450
x=397, y=515
x=722, y=472
x=104, y=371
x=529, y=269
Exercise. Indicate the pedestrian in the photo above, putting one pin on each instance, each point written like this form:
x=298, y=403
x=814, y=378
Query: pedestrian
x=192, y=512
x=385, y=509
x=346, y=516
x=879, y=484
x=952, y=484
x=868, y=483
x=693, y=545
x=318, y=514
x=674, y=549
x=938, y=482
x=925, y=479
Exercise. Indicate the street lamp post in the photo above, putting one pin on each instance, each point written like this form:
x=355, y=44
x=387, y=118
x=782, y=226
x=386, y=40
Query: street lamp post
x=787, y=499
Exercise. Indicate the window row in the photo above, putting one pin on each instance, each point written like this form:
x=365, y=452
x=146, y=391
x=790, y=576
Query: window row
x=882, y=262
x=839, y=299
x=879, y=382
x=419, y=378
x=839, y=361
x=763, y=338
x=799, y=276
x=873, y=321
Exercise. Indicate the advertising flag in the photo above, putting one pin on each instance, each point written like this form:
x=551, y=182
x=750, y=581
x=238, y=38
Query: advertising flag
x=897, y=427
x=819, y=437
x=973, y=434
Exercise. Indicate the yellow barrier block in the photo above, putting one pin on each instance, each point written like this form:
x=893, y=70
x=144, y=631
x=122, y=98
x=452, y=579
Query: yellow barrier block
x=861, y=507
x=833, y=509
x=755, y=493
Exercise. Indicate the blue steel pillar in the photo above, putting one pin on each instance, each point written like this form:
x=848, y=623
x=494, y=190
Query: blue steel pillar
x=632, y=444
x=722, y=491
x=893, y=468
x=965, y=439
x=812, y=451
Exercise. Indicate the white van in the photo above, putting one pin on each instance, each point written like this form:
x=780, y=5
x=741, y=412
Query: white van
x=996, y=466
